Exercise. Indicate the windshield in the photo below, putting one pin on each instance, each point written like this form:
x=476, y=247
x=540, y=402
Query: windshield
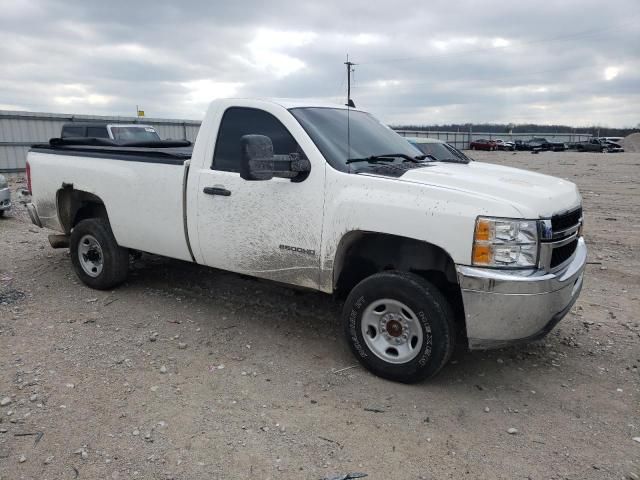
x=436, y=150
x=441, y=151
x=135, y=134
x=328, y=128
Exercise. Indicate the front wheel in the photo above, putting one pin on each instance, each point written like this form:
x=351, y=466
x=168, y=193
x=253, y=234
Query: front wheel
x=97, y=258
x=399, y=326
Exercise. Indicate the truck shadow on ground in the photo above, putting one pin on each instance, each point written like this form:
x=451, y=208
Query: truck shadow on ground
x=250, y=302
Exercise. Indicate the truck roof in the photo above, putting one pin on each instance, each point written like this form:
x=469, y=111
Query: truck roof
x=291, y=102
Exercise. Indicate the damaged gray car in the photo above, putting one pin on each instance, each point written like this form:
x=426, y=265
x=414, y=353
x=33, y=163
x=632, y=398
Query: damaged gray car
x=5, y=195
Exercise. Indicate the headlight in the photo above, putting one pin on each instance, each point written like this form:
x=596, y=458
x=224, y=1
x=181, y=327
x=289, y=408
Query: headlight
x=502, y=242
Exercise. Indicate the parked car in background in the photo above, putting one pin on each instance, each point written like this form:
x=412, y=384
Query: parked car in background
x=115, y=131
x=541, y=144
x=599, y=145
x=505, y=145
x=483, y=144
x=612, y=144
x=5, y=195
x=537, y=144
x=438, y=149
x=554, y=145
x=613, y=147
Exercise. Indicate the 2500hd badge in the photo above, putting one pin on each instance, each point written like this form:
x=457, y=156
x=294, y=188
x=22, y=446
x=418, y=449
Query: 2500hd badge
x=305, y=251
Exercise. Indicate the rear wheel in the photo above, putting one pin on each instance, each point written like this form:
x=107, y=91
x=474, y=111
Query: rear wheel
x=97, y=258
x=399, y=326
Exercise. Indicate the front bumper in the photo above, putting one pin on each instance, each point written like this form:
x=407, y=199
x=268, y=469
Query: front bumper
x=5, y=199
x=506, y=307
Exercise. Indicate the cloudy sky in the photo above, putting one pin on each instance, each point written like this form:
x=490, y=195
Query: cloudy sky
x=574, y=62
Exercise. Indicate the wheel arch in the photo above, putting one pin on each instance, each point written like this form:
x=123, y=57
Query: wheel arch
x=362, y=253
x=383, y=251
x=76, y=205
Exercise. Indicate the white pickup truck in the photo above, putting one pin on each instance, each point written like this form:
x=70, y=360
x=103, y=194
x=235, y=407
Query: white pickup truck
x=428, y=254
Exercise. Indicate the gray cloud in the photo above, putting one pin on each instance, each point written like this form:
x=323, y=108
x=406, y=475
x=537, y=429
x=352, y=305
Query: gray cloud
x=568, y=62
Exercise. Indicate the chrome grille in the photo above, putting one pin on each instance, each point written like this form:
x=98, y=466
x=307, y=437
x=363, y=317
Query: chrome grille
x=559, y=255
x=560, y=238
x=567, y=220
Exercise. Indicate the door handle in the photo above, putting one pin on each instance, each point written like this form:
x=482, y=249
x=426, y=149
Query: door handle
x=217, y=191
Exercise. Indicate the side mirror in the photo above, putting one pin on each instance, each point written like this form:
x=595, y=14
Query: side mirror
x=258, y=162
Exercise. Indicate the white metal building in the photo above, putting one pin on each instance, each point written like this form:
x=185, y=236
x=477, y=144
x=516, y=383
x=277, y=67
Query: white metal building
x=20, y=130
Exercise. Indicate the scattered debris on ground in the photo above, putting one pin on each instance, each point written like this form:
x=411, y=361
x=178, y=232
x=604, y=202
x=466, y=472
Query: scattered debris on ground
x=186, y=372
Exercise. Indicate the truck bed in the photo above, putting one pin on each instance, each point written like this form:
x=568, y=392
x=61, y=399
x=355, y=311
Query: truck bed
x=142, y=189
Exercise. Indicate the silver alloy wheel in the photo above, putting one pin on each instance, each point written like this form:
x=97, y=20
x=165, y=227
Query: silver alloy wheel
x=392, y=331
x=90, y=255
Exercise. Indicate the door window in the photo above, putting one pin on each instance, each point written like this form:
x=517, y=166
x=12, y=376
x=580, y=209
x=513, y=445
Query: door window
x=239, y=121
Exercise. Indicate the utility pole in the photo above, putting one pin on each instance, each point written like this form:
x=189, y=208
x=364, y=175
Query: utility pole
x=350, y=70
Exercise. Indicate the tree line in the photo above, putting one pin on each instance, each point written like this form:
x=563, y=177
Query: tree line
x=521, y=128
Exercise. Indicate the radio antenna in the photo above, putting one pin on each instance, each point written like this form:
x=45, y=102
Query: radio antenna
x=349, y=103
x=350, y=70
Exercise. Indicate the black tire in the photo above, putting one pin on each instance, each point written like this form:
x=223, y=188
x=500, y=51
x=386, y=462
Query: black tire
x=1, y=213
x=114, y=258
x=436, y=319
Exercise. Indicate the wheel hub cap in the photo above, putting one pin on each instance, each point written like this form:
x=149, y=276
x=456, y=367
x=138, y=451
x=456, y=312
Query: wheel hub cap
x=90, y=256
x=394, y=328
x=392, y=331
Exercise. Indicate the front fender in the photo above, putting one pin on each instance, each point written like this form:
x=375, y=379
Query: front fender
x=439, y=216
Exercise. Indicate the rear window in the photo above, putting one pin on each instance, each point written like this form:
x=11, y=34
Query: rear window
x=135, y=134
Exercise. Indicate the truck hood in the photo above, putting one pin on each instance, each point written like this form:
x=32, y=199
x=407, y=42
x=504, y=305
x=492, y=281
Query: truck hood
x=532, y=194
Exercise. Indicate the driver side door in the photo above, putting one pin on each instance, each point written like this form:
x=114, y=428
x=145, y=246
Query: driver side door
x=264, y=228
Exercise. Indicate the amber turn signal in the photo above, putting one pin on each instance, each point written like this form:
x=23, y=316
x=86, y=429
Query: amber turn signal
x=483, y=230
x=482, y=254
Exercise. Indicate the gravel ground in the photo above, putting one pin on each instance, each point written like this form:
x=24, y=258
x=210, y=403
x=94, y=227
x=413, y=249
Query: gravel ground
x=190, y=373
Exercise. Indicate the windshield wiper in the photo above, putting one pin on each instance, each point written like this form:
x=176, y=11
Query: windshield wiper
x=458, y=155
x=387, y=157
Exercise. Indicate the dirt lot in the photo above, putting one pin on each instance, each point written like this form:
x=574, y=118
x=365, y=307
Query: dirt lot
x=190, y=373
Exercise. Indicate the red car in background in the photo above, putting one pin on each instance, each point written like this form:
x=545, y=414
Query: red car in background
x=483, y=144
